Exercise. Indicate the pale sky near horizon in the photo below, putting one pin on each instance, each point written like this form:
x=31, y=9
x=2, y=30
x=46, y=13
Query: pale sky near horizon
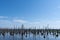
x=31, y=13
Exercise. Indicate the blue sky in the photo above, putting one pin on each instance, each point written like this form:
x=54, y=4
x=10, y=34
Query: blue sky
x=30, y=13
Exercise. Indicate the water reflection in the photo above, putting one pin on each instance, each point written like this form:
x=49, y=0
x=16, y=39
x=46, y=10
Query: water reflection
x=40, y=36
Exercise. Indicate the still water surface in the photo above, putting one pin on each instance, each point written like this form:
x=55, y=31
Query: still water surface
x=28, y=37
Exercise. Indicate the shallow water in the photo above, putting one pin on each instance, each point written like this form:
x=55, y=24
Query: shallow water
x=28, y=37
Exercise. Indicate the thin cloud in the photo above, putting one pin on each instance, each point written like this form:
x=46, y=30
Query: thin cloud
x=3, y=17
x=6, y=24
x=58, y=21
x=20, y=21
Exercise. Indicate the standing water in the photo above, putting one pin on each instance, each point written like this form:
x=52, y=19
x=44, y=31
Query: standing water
x=30, y=36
